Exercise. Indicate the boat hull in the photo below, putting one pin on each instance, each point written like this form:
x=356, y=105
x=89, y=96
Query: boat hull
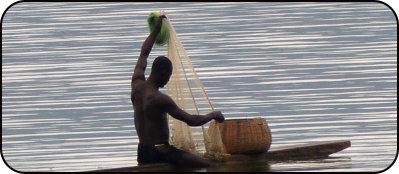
x=302, y=151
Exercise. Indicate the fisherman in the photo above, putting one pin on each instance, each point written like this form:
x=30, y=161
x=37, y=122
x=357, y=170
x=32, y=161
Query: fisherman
x=151, y=106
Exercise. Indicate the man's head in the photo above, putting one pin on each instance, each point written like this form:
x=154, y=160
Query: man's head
x=161, y=71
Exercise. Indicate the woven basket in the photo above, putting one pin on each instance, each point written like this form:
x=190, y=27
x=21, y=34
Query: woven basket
x=245, y=136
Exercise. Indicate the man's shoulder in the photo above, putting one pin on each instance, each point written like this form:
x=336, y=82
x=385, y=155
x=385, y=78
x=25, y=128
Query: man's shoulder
x=138, y=84
x=162, y=97
x=137, y=88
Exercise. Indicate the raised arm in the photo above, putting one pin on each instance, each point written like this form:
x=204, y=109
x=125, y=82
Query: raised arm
x=192, y=120
x=146, y=49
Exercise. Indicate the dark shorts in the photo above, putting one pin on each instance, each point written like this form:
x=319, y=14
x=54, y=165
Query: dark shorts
x=158, y=154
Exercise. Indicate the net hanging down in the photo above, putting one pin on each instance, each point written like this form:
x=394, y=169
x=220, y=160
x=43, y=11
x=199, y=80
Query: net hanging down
x=186, y=89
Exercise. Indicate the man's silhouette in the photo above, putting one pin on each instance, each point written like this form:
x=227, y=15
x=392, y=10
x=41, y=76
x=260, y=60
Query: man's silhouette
x=151, y=106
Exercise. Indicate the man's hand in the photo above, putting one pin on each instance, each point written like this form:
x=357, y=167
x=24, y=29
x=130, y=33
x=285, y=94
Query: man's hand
x=218, y=116
x=158, y=21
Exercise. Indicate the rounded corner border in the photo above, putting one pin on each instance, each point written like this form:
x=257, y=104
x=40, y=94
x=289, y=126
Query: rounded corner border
x=5, y=11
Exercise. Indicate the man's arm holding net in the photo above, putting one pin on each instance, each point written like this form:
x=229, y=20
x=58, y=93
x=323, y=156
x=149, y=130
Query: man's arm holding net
x=192, y=120
x=145, y=51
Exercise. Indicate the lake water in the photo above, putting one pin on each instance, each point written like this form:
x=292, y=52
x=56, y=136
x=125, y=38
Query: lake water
x=315, y=71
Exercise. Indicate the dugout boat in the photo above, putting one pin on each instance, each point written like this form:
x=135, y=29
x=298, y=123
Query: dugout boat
x=294, y=152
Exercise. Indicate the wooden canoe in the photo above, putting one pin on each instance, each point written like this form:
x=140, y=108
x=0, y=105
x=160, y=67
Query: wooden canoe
x=303, y=151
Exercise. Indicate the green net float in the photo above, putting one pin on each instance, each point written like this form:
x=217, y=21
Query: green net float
x=163, y=35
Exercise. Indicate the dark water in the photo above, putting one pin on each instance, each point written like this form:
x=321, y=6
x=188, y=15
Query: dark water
x=315, y=71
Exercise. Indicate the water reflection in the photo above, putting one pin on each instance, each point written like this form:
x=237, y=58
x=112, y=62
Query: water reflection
x=312, y=165
x=242, y=166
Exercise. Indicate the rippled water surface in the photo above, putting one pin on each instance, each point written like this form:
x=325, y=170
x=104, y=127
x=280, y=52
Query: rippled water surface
x=315, y=71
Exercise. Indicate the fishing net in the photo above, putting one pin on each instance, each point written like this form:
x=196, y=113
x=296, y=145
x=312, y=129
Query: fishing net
x=186, y=89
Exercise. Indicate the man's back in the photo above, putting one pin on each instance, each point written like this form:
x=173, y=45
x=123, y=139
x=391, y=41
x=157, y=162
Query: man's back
x=149, y=118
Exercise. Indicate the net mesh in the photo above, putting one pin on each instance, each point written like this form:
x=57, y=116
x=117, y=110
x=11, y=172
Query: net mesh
x=186, y=89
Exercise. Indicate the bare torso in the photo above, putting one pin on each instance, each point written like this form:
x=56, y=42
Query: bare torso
x=149, y=115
